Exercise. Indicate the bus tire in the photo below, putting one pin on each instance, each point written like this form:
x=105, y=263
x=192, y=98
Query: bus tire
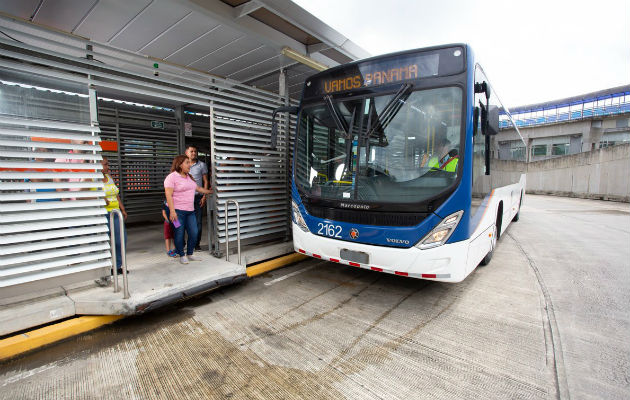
x=496, y=234
x=518, y=213
x=488, y=257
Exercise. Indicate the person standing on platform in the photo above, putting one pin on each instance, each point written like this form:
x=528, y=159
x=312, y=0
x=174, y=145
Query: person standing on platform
x=199, y=172
x=113, y=202
x=180, y=189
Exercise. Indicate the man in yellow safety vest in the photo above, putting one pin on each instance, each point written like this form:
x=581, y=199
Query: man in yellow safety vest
x=448, y=162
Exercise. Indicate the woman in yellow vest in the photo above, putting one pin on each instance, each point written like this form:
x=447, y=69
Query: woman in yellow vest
x=112, y=202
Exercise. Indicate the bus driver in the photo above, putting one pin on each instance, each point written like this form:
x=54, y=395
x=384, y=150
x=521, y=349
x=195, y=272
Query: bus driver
x=447, y=161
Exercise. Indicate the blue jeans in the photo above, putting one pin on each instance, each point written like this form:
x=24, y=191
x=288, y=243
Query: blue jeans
x=198, y=215
x=188, y=223
x=117, y=239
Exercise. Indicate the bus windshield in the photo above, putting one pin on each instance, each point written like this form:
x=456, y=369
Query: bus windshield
x=401, y=147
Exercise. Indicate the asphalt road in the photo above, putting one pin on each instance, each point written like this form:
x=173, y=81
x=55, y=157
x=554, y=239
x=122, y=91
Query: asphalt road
x=546, y=319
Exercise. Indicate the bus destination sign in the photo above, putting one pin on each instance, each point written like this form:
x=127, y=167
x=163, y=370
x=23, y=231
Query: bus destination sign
x=375, y=77
x=379, y=72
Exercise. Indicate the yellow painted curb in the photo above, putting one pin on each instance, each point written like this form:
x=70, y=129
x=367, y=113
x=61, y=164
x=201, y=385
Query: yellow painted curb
x=24, y=342
x=275, y=263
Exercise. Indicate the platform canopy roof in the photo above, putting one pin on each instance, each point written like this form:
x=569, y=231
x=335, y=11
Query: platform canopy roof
x=248, y=41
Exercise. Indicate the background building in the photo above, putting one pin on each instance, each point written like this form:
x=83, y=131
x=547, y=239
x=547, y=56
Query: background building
x=566, y=126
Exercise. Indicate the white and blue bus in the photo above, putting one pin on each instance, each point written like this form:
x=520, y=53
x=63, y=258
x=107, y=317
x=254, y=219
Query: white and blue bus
x=394, y=167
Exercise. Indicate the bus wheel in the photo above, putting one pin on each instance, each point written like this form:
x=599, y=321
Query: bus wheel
x=518, y=213
x=493, y=244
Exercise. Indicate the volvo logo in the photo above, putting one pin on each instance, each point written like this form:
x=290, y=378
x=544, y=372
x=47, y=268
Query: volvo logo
x=354, y=233
x=399, y=241
x=355, y=206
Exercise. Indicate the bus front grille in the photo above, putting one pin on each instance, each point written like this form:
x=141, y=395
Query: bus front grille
x=366, y=217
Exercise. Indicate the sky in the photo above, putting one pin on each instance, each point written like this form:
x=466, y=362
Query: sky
x=532, y=51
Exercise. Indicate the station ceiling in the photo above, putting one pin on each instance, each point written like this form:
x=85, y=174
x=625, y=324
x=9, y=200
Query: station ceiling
x=237, y=39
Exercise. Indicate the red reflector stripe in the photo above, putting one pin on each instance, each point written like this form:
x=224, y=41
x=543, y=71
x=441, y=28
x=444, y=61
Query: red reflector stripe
x=302, y=251
x=316, y=255
x=376, y=269
x=334, y=260
x=401, y=273
x=428, y=275
x=354, y=264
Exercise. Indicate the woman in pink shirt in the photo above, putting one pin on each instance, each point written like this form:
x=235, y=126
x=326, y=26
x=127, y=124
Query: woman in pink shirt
x=180, y=189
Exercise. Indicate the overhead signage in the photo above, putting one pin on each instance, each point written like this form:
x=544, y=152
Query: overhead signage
x=188, y=129
x=389, y=70
x=376, y=77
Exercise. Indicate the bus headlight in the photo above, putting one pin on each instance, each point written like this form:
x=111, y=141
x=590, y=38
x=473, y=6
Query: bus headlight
x=297, y=217
x=440, y=234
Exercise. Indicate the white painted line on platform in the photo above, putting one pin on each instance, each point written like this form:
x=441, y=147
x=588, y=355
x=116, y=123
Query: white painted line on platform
x=290, y=275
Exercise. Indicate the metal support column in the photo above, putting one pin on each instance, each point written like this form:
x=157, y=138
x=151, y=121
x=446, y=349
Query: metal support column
x=283, y=90
x=121, y=186
x=181, y=139
x=212, y=199
x=213, y=202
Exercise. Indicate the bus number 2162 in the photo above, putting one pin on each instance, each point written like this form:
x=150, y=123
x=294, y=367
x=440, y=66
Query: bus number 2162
x=329, y=230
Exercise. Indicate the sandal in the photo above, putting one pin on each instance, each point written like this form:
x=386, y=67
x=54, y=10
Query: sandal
x=172, y=253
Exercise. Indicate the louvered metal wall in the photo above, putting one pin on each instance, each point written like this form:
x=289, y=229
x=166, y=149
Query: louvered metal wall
x=52, y=215
x=247, y=170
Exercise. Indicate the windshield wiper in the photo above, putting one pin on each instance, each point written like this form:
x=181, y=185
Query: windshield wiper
x=341, y=123
x=390, y=110
x=349, y=144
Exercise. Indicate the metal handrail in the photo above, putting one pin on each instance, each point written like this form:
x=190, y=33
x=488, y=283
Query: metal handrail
x=123, y=251
x=209, y=228
x=238, y=230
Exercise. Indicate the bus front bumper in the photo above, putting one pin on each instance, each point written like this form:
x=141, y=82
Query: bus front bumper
x=446, y=263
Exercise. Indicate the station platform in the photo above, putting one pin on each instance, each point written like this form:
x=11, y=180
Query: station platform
x=155, y=280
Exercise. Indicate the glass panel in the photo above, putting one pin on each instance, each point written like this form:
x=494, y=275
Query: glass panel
x=376, y=151
x=518, y=153
x=539, y=150
x=560, y=149
x=37, y=97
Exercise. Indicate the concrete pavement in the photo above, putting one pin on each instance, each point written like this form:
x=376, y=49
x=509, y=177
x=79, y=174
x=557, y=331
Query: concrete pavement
x=322, y=330
x=582, y=250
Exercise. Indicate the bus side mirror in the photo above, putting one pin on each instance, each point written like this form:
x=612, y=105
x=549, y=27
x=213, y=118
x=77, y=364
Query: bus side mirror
x=476, y=120
x=274, y=123
x=493, y=120
x=490, y=120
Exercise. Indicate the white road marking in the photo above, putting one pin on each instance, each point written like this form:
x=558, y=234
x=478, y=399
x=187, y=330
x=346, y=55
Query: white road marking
x=291, y=274
x=28, y=374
